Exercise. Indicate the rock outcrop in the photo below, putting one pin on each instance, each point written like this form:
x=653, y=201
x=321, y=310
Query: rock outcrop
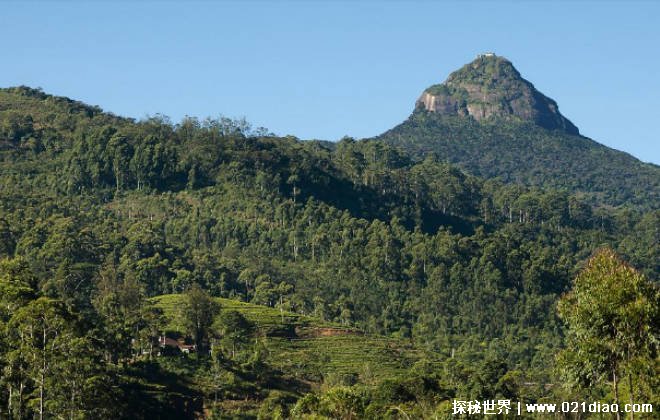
x=491, y=87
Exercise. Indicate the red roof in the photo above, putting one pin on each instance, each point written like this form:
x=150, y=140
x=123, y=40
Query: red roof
x=165, y=341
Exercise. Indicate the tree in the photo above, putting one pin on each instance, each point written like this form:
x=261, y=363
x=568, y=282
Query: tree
x=40, y=336
x=128, y=318
x=6, y=239
x=119, y=153
x=14, y=126
x=153, y=162
x=613, y=316
x=234, y=329
x=15, y=292
x=198, y=312
x=342, y=403
x=53, y=370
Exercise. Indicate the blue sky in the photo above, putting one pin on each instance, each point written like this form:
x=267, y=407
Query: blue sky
x=328, y=69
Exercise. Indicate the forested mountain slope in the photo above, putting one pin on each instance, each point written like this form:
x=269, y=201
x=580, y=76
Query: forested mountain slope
x=490, y=121
x=98, y=214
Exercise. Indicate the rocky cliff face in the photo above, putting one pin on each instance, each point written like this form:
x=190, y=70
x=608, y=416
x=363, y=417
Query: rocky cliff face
x=488, y=87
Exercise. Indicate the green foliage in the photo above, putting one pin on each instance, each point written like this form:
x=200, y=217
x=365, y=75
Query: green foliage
x=349, y=263
x=198, y=311
x=235, y=331
x=524, y=153
x=49, y=367
x=613, y=314
x=304, y=347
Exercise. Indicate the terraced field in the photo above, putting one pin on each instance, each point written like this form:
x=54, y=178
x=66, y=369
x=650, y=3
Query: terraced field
x=311, y=349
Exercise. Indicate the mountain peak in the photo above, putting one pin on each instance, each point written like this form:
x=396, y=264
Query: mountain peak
x=491, y=87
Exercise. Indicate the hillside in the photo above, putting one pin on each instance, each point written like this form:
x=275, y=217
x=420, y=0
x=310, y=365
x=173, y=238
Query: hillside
x=304, y=352
x=369, y=282
x=493, y=123
x=309, y=348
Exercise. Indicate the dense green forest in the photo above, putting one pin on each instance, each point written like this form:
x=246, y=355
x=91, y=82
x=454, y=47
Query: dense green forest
x=521, y=152
x=115, y=233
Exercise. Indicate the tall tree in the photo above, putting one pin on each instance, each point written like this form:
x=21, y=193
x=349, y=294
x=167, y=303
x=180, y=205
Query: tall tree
x=613, y=317
x=198, y=313
x=119, y=152
x=39, y=335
